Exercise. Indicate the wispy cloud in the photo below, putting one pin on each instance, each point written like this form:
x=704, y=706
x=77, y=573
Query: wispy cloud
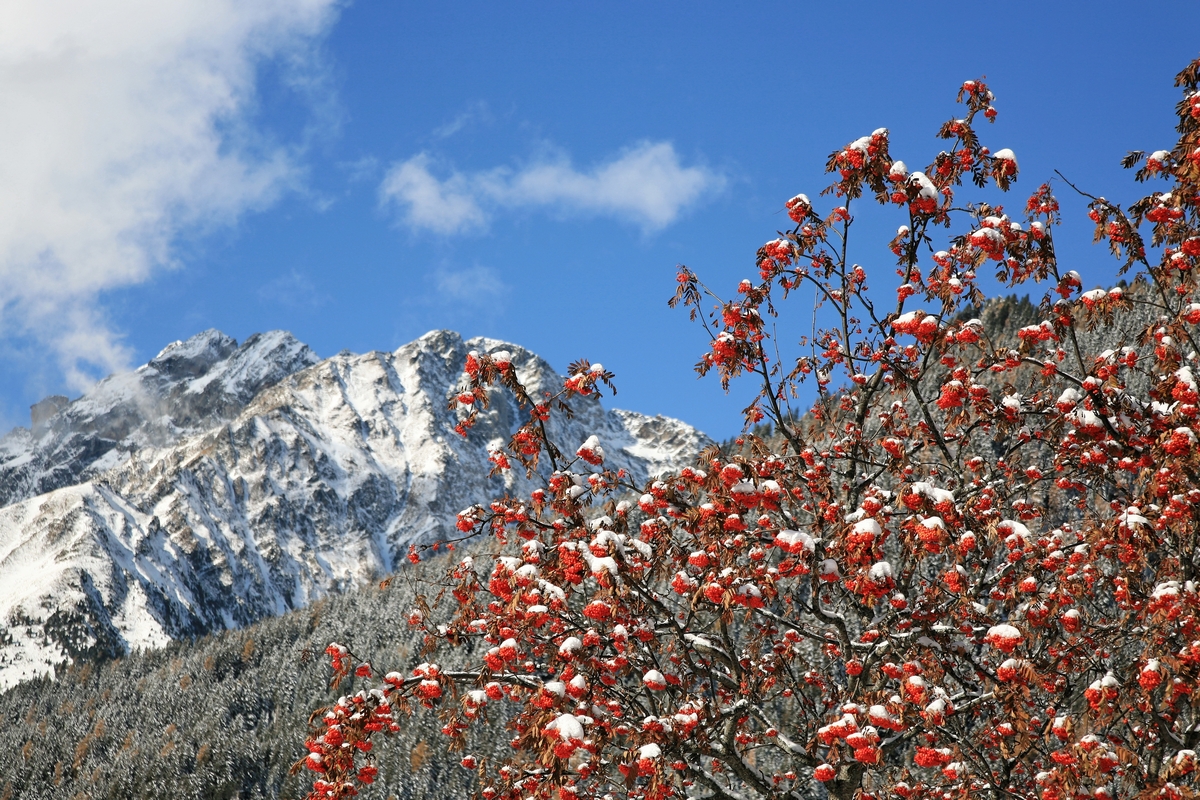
x=646, y=185
x=126, y=124
x=478, y=111
x=361, y=170
x=293, y=290
x=473, y=286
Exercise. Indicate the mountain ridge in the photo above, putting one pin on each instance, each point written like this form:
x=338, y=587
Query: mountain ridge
x=203, y=380
x=242, y=509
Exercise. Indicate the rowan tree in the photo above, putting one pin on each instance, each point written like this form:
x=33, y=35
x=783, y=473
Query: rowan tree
x=968, y=569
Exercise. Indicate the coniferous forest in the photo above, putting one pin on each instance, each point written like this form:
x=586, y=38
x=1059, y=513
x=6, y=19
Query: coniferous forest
x=217, y=718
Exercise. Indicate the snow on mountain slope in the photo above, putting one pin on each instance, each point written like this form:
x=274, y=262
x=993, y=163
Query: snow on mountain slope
x=188, y=387
x=320, y=482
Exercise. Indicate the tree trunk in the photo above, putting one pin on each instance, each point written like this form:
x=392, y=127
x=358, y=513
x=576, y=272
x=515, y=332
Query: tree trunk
x=848, y=781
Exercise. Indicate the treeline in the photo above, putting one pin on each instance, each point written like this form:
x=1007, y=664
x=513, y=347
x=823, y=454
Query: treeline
x=225, y=716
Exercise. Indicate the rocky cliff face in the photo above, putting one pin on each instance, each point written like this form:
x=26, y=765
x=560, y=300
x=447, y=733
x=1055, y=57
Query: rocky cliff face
x=221, y=484
x=187, y=388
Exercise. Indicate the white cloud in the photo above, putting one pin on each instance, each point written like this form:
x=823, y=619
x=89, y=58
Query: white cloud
x=645, y=185
x=441, y=206
x=124, y=124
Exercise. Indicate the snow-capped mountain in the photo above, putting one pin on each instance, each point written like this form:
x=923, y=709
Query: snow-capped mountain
x=220, y=484
x=187, y=388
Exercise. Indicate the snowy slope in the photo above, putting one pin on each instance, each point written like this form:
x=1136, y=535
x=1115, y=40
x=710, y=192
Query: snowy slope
x=319, y=482
x=187, y=388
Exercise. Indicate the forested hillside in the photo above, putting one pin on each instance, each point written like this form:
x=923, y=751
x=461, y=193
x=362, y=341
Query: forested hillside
x=221, y=717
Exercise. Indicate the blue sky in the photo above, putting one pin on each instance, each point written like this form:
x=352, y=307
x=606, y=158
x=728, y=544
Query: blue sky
x=361, y=173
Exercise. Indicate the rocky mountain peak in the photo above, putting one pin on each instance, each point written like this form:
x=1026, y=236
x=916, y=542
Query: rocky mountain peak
x=194, y=357
x=223, y=483
x=188, y=387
